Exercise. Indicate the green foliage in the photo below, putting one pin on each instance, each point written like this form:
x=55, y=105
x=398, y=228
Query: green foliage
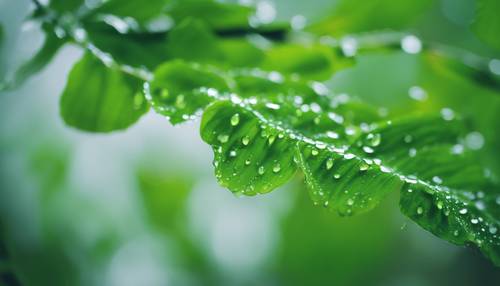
x=101, y=99
x=267, y=112
x=487, y=24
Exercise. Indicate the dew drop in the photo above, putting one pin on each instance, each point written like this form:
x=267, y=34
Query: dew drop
x=474, y=140
x=385, y=169
x=314, y=152
x=363, y=166
x=480, y=205
x=439, y=205
x=248, y=162
x=462, y=211
x=493, y=229
x=336, y=176
x=235, y=119
x=277, y=168
x=349, y=156
x=412, y=152
x=332, y=135
x=447, y=114
x=411, y=44
x=261, y=170
x=273, y=106
x=417, y=93
x=232, y=153
x=420, y=210
x=408, y=139
x=373, y=139
x=329, y=163
x=368, y=150
x=223, y=138
x=437, y=180
x=350, y=202
x=245, y=140
x=271, y=139
x=474, y=221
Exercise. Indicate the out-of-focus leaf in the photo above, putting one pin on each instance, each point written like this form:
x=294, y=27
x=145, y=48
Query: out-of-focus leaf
x=51, y=45
x=192, y=40
x=132, y=49
x=138, y=10
x=63, y=6
x=7, y=275
x=219, y=16
x=354, y=16
x=101, y=99
x=487, y=23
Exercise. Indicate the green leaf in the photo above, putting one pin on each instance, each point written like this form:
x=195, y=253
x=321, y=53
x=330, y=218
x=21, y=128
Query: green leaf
x=63, y=6
x=43, y=56
x=355, y=16
x=219, y=16
x=486, y=24
x=263, y=126
x=101, y=99
x=136, y=9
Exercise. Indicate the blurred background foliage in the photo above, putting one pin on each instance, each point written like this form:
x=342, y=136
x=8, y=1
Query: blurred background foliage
x=142, y=207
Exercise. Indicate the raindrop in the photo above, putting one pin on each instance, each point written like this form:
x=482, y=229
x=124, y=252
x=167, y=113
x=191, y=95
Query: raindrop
x=275, y=77
x=462, y=211
x=223, y=138
x=336, y=117
x=437, y=180
x=277, y=168
x=474, y=140
x=248, y=162
x=349, y=156
x=273, y=106
x=314, y=152
x=494, y=66
x=332, y=135
x=385, y=169
x=439, y=205
x=271, y=139
x=350, y=202
x=245, y=140
x=408, y=139
x=368, y=150
x=363, y=166
x=474, y=221
x=480, y=205
x=373, y=139
x=498, y=200
x=420, y=210
x=417, y=93
x=411, y=44
x=493, y=229
x=349, y=46
x=412, y=152
x=298, y=22
x=457, y=149
x=336, y=176
x=320, y=88
x=261, y=170
x=329, y=163
x=232, y=153
x=320, y=145
x=235, y=119
x=447, y=114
